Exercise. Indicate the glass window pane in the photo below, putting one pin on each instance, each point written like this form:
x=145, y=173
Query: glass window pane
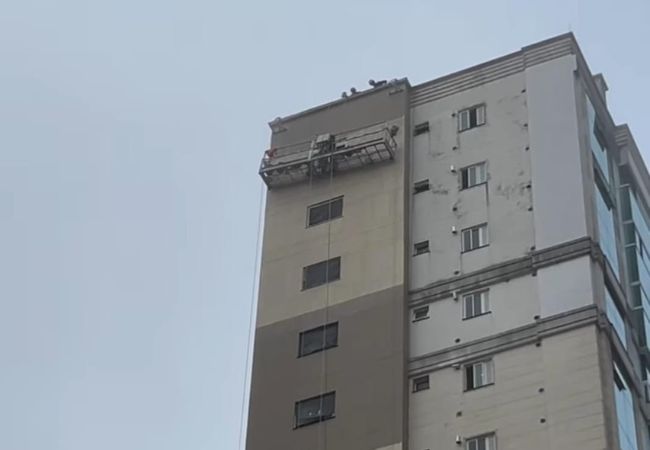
x=331, y=334
x=482, y=177
x=477, y=304
x=311, y=341
x=480, y=113
x=472, y=118
x=334, y=269
x=467, y=240
x=318, y=214
x=479, y=374
x=328, y=405
x=469, y=305
x=469, y=378
x=483, y=235
x=336, y=208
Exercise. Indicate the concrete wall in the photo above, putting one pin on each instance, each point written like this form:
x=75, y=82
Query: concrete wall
x=367, y=368
x=369, y=238
x=555, y=152
x=503, y=202
x=512, y=304
x=565, y=366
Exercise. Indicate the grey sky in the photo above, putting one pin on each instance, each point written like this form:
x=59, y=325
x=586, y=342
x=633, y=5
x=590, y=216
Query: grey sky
x=130, y=135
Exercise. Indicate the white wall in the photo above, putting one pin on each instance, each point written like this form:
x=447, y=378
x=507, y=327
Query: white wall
x=565, y=286
x=503, y=203
x=512, y=304
x=555, y=152
x=566, y=366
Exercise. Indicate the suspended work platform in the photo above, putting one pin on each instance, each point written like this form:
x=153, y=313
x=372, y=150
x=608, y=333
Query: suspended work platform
x=327, y=155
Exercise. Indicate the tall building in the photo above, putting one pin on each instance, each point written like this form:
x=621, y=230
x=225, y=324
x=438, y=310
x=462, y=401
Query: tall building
x=459, y=264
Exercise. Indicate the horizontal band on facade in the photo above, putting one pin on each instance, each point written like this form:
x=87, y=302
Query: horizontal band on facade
x=517, y=337
x=499, y=273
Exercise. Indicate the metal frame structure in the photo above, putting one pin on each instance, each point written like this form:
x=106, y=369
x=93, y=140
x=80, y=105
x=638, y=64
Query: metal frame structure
x=326, y=154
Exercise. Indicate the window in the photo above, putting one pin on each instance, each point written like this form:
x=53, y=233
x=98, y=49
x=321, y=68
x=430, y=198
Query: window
x=421, y=247
x=624, y=412
x=475, y=304
x=471, y=117
x=478, y=375
x=421, y=128
x=321, y=273
x=473, y=175
x=421, y=313
x=606, y=227
x=474, y=237
x=596, y=141
x=485, y=442
x=325, y=211
x=421, y=383
x=421, y=186
x=318, y=339
x=615, y=316
x=315, y=409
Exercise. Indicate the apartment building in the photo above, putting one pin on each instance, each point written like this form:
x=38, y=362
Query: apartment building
x=459, y=264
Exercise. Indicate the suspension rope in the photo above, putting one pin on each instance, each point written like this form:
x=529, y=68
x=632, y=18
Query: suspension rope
x=251, y=317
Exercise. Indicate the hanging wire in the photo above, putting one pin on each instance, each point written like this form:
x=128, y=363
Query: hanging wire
x=251, y=317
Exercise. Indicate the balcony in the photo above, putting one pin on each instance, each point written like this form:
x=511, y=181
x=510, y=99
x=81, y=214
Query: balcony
x=328, y=155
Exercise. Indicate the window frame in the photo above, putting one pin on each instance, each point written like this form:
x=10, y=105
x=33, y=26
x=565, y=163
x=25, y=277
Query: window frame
x=330, y=218
x=491, y=437
x=421, y=308
x=481, y=118
x=484, y=302
x=425, y=383
x=482, y=165
x=325, y=346
x=481, y=236
x=487, y=364
x=327, y=277
x=321, y=417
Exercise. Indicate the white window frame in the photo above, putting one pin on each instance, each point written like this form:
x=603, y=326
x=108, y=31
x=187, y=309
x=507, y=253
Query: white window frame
x=482, y=374
x=483, y=239
x=464, y=122
x=424, y=379
x=476, y=171
x=470, y=298
x=488, y=441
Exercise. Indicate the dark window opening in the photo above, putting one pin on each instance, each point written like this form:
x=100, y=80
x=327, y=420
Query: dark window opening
x=471, y=117
x=318, y=339
x=421, y=186
x=421, y=247
x=315, y=409
x=421, y=383
x=421, y=128
x=473, y=175
x=421, y=313
x=325, y=211
x=321, y=273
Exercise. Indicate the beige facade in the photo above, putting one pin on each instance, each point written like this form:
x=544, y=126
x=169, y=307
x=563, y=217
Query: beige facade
x=546, y=297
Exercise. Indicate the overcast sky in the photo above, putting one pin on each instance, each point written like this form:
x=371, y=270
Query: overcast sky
x=130, y=137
